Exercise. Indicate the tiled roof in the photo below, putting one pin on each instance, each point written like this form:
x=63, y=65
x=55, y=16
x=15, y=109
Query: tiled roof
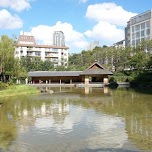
x=53, y=73
x=96, y=72
x=94, y=69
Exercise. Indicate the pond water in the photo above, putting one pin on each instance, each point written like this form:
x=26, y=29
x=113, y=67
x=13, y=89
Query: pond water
x=77, y=120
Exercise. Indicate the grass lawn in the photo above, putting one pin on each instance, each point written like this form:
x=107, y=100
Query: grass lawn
x=15, y=90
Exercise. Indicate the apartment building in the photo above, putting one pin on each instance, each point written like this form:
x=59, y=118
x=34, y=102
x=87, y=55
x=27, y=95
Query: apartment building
x=58, y=38
x=27, y=46
x=138, y=27
x=92, y=45
x=120, y=44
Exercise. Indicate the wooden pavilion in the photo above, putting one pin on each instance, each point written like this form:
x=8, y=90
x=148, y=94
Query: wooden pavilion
x=94, y=73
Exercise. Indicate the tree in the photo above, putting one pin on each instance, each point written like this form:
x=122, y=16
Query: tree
x=47, y=65
x=140, y=56
x=149, y=63
x=7, y=60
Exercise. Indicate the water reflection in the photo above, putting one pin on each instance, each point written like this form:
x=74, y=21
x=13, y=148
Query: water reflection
x=73, y=119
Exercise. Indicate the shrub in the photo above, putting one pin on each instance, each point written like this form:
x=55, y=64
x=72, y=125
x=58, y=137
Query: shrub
x=3, y=85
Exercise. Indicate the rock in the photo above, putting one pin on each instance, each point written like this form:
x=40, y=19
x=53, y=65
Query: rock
x=51, y=91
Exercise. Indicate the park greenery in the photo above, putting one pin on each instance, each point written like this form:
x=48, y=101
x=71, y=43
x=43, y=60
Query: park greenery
x=17, y=90
x=127, y=64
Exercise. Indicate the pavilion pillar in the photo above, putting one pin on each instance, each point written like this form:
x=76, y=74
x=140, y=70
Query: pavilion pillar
x=86, y=89
x=105, y=90
x=86, y=80
x=60, y=81
x=105, y=81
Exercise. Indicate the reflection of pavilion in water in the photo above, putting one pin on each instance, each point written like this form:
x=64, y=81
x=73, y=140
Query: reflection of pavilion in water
x=90, y=90
x=87, y=89
x=59, y=106
x=55, y=111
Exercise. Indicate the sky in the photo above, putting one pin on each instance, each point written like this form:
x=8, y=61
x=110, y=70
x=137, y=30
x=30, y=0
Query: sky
x=82, y=21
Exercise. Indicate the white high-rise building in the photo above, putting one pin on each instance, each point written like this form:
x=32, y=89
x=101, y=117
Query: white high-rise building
x=138, y=27
x=58, y=38
x=92, y=45
x=27, y=46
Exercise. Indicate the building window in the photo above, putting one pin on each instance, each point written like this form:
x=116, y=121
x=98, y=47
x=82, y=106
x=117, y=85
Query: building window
x=148, y=32
x=38, y=53
x=142, y=33
x=133, y=42
x=133, y=29
x=148, y=24
x=137, y=34
x=133, y=36
x=142, y=25
x=137, y=27
x=137, y=41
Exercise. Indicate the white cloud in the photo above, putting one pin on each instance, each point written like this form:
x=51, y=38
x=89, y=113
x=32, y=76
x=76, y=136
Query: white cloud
x=110, y=21
x=109, y=12
x=8, y=21
x=73, y=38
x=18, y=5
x=106, y=32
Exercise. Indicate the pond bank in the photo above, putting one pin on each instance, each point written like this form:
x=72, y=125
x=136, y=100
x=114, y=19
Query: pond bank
x=15, y=90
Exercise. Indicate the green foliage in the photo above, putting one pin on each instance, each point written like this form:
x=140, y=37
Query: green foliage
x=149, y=63
x=60, y=68
x=36, y=64
x=15, y=90
x=113, y=85
x=9, y=66
x=3, y=85
x=136, y=60
x=144, y=79
x=6, y=56
x=115, y=59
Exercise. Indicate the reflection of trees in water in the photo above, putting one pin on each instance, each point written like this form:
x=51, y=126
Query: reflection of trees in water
x=8, y=130
x=137, y=111
x=135, y=108
x=18, y=114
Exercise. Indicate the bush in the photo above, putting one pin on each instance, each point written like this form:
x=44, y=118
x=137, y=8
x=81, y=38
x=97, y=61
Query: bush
x=3, y=85
x=121, y=78
x=113, y=85
x=144, y=79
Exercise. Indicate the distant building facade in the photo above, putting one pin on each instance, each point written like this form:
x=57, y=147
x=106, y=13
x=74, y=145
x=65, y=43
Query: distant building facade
x=58, y=38
x=27, y=46
x=92, y=45
x=138, y=27
x=120, y=44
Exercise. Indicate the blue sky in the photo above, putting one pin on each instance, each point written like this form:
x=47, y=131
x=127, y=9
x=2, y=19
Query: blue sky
x=82, y=21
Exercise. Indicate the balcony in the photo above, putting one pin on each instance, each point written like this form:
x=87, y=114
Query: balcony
x=33, y=49
x=51, y=50
x=54, y=60
x=33, y=54
x=51, y=55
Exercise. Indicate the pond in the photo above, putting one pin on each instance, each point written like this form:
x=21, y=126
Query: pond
x=77, y=120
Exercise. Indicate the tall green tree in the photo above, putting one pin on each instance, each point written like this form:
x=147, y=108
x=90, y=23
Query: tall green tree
x=7, y=60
